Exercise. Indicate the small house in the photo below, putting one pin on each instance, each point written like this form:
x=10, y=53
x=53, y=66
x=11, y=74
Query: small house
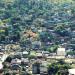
x=71, y=71
x=16, y=61
x=61, y=52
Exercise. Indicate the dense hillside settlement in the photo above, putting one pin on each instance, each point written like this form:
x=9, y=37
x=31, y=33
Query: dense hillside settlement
x=37, y=37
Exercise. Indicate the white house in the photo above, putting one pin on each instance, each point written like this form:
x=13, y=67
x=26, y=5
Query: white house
x=71, y=71
x=61, y=51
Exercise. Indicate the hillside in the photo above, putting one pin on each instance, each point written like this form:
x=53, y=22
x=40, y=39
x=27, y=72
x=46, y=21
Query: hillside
x=28, y=21
x=61, y=1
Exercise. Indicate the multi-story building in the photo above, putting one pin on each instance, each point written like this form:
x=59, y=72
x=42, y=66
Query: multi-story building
x=61, y=51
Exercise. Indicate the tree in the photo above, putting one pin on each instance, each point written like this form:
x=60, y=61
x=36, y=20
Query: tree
x=8, y=59
x=71, y=53
x=52, y=48
x=7, y=74
x=60, y=29
x=58, y=68
x=46, y=37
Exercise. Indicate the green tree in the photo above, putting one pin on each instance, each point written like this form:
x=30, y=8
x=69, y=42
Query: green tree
x=58, y=68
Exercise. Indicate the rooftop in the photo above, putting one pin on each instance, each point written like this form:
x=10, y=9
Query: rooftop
x=72, y=71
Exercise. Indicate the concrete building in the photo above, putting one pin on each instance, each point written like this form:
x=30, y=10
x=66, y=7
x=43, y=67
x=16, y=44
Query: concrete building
x=36, y=68
x=25, y=54
x=16, y=61
x=71, y=71
x=61, y=51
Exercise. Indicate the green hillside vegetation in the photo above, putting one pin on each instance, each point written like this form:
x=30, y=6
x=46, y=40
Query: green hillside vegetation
x=45, y=21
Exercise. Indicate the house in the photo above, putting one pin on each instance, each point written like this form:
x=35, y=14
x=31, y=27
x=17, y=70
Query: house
x=61, y=51
x=2, y=48
x=1, y=55
x=36, y=45
x=39, y=67
x=43, y=67
x=24, y=61
x=18, y=55
x=45, y=53
x=73, y=34
x=16, y=61
x=52, y=54
x=39, y=55
x=25, y=54
x=44, y=73
x=71, y=71
x=36, y=68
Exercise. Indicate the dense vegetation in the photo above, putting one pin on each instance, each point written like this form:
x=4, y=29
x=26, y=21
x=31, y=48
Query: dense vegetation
x=59, y=68
x=27, y=21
